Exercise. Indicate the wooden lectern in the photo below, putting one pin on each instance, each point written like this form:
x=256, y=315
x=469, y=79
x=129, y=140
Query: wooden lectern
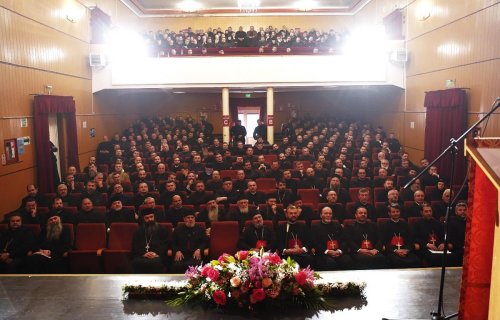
x=480, y=292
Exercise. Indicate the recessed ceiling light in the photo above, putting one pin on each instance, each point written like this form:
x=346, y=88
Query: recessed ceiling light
x=189, y=6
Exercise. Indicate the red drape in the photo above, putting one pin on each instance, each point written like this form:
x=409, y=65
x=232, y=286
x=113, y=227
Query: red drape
x=45, y=105
x=446, y=118
x=480, y=229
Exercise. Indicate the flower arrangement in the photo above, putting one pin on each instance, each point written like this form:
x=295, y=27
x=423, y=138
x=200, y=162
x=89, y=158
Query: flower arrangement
x=251, y=280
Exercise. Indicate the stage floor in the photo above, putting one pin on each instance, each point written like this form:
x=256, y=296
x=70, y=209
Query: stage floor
x=393, y=294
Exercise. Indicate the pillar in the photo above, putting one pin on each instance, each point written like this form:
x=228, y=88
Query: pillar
x=270, y=115
x=225, y=115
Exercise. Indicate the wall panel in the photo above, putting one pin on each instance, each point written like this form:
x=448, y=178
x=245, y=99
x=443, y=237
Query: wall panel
x=466, y=41
x=441, y=12
x=481, y=79
x=52, y=13
x=27, y=43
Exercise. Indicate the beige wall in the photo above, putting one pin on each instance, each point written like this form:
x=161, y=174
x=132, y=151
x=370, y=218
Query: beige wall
x=40, y=47
x=455, y=42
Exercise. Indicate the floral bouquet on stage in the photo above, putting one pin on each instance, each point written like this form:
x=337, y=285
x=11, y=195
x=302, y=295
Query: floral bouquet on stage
x=251, y=280
x=254, y=280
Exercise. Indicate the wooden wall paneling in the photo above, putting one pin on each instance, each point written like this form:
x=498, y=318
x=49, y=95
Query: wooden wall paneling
x=414, y=137
x=19, y=84
x=442, y=12
x=31, y=44
x=481, y=80
x=455, y=45
x=17, y=182
x=52, y=13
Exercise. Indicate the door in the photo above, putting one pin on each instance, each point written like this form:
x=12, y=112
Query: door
x=249, y=117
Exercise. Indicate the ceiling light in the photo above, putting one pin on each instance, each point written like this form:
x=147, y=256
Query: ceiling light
x=305, y=5
x=189, y=6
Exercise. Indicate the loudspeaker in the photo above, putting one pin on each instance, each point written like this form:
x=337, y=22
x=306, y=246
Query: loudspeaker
x=97, y=60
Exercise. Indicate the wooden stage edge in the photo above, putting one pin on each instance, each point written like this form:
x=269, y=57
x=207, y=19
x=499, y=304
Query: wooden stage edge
x=389, y=293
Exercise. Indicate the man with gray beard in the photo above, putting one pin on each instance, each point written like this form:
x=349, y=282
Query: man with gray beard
x=149, y=245
x=51, y=255
x=244, y=212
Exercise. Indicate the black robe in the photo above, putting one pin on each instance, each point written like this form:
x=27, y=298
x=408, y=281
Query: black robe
x=330, y=237
x=364, y=236
x=397, y=235
x=253, y=238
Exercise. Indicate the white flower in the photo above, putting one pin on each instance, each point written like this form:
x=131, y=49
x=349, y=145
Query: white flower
x=235, y=282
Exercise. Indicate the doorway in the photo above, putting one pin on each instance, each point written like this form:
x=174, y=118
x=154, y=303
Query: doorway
x=54, y=138
x=249, y=117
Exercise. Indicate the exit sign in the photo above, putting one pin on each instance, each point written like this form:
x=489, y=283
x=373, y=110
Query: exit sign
x=248, y=95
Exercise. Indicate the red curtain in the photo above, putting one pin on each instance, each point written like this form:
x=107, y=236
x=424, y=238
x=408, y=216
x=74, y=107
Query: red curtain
x=45, y=105
x=446, y=118
x=479, y=239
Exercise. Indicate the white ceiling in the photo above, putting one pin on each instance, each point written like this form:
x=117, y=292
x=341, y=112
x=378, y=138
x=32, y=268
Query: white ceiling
x=230, y=7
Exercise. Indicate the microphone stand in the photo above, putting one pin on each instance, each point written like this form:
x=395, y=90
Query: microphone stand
x=452, y=149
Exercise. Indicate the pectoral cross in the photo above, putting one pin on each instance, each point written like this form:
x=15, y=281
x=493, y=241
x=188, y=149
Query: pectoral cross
x=433, y=239
x=147, y=247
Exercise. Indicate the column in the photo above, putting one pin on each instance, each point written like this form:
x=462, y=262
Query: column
x=270, y=115
x=225, y=115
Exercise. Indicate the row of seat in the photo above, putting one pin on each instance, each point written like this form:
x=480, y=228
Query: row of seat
x=98, y=250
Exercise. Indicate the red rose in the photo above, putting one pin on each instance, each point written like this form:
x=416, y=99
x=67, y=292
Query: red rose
x=219, y=297
x=274, y=259
x=204, y=270
x=213, y=274
x=301, y=278
x=242, y=255
x=258, y=295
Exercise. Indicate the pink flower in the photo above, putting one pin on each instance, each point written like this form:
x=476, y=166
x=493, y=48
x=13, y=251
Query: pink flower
x=242, y=255
x=274, y=258
x=223, y=258
x=213, y=274
x=205, y=269
x=258, y=295
x=301, y=277
x=254, y=260
x=219, y=297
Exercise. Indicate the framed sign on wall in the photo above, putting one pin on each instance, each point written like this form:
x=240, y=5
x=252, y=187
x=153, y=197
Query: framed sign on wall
x=11, y=151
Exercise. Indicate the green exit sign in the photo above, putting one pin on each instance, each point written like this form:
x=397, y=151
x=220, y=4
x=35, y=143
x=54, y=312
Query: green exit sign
x=248, y=95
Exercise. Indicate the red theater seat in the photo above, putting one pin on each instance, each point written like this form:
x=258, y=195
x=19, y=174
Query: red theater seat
x=90, y=239
x=310, y=196
x=224, y=236
x=116, y=257
x=266, y=183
